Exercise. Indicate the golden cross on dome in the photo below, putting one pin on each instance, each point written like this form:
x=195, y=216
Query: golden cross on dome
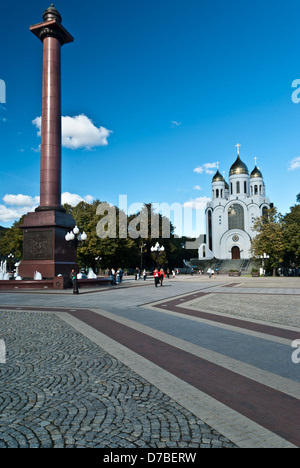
x=217, y=164
x=238, y=148
x=255, y=159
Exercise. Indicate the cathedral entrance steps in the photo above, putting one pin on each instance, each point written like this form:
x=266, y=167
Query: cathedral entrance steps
x=223, y=266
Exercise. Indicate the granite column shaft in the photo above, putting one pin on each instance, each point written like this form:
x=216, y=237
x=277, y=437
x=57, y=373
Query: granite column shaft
x=50, y=182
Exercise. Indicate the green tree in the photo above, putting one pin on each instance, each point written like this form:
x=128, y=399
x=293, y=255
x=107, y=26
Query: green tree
x=148, y=227
x=292, y=236
x=154, y=227
x=270, y=238
x=128, y=247
x=12, y=241
x=3, y=231
x=114, y=251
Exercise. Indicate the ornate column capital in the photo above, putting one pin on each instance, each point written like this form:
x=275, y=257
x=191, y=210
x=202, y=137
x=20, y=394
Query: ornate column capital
x=51, y=32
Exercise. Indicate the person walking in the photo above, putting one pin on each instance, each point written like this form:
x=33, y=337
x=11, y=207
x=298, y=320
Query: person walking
x=144, y=275
x=156, y=275
x=121, y=273
x=73, y=276
x=113, y=276
x=119, y=276
x=162, y=276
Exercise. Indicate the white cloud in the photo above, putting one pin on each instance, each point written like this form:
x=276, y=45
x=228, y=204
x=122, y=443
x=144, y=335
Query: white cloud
x=199, y=170
x=174, y=123
x=294, y=164
x=8, y=215
x=21, y=200
x=79, y=132
x=38, y=123
x=36, y=150
x=197, y=187
x=206, y=168
x=73, y=199
x=197, y=203
x=89, y=199
x=16, y=206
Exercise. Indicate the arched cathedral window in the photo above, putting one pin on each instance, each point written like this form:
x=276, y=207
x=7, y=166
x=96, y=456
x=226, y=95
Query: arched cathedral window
x=236, y=218
x=209, y=230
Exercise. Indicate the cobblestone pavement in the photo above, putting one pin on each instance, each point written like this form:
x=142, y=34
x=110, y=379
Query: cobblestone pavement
x=58, y=389
x=282, y=310
x=196, y=363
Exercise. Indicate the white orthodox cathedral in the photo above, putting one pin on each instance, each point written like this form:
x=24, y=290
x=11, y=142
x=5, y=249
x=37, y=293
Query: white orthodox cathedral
x=231, y=213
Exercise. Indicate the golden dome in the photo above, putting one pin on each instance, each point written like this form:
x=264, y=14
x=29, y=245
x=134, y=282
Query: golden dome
x=218, y=177
x=238, y=167
x=256, y=173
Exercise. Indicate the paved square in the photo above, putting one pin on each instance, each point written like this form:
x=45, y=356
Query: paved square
x=196, y=363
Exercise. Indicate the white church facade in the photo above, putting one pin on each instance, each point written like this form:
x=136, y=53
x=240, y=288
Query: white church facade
x=231, y=213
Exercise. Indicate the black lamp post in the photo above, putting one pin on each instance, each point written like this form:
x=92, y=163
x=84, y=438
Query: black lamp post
x=75, y=237
x=264, y=257
x=142, y=246
x=98, y=260
x=157, y=249
x=11, y=262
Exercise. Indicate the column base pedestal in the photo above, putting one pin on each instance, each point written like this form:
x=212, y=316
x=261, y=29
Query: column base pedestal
x=45, y=249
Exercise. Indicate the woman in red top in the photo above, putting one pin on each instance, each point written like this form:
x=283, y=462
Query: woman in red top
x=156, y=275
x=162, y=276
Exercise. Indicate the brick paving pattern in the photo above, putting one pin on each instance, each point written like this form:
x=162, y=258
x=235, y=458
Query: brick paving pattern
x=58, y=389
x=197, y=363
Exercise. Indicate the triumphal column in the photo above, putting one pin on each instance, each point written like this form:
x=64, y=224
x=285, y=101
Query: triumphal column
x=45, y=249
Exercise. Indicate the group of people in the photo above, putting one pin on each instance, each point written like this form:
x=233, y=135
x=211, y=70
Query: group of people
x=138, y=273
x=116, y=276
x=144, y=275
x=159, y=276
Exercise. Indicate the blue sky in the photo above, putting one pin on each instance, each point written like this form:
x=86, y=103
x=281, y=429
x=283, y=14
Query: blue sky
x=150, y=91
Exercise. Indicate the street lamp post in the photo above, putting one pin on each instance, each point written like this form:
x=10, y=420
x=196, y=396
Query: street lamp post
x=10, y=261
x=157, y=249
x=98, y=260
x=75, y=237
x=142, y=246
x=264, y=257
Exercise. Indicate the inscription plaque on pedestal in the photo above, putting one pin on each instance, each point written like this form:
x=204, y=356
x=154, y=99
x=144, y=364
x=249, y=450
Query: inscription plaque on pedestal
x=38, y=245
